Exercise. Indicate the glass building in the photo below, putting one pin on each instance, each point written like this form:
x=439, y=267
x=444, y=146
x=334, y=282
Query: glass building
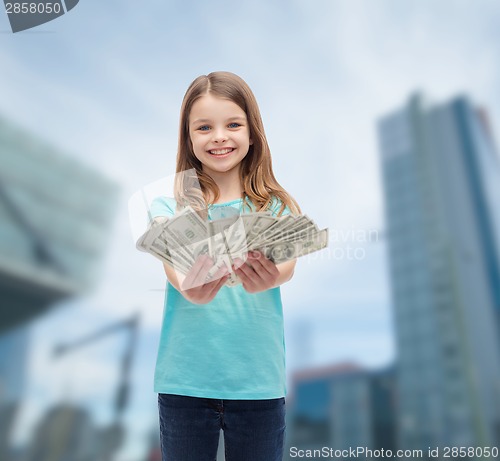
x=13, y=353
x=341, y=407
x=55, y=215
x=441, y=178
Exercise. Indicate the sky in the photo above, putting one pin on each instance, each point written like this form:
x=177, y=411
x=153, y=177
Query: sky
x=104, y=84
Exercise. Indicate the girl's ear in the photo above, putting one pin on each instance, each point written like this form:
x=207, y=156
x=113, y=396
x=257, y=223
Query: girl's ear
x=250, y=142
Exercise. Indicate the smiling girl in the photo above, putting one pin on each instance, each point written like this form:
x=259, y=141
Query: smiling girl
x=221, y=357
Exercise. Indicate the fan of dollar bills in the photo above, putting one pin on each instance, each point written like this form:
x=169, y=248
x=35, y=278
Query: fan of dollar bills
x=180, y=240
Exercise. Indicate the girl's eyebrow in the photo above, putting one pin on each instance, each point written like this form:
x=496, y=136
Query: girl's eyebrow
x=206, y=120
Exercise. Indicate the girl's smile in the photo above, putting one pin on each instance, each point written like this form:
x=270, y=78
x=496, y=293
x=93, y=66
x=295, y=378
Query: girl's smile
x=221, y=152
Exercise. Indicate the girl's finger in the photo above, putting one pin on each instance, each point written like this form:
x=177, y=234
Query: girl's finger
x=248, y=272
x=193, y=272
x=266, y=262
x=198, y=273
x=201, y=278
x=221, y=272
x=218, y=284
x=265, y=268
x=248, y=277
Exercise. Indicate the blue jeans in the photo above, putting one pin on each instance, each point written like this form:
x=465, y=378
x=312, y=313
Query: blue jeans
x=254, y=430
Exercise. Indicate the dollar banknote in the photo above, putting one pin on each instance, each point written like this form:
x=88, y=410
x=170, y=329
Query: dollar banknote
x=178, y=241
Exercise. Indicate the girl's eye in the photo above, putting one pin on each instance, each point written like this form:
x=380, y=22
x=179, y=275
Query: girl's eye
x=204, y=128
x=234, y=125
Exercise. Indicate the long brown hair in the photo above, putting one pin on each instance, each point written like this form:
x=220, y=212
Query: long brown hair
x=256, y=172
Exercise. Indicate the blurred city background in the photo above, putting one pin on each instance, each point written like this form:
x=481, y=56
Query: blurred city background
x=381, y=117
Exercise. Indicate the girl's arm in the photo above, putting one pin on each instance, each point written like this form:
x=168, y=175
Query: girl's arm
x=286, y=271
x=172, y=276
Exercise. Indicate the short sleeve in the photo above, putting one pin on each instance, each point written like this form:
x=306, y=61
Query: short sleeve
x=162, y=206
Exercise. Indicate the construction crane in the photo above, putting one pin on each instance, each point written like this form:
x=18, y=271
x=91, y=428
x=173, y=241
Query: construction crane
x=112, y=436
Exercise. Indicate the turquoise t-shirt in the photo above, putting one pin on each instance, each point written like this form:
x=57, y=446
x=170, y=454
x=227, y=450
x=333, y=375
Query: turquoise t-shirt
x=230, y=348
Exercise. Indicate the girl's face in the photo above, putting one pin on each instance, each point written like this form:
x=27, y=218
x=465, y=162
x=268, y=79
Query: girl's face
x=219, y=132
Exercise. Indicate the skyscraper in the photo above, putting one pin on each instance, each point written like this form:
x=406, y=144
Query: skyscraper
x=55, y=217
x=343, y=407
x=441, y=179
x=13, y=357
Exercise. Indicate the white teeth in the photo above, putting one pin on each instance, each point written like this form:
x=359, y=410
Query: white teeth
x=220, y=152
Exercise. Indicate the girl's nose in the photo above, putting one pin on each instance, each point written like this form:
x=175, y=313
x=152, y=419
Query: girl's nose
x=219, y=136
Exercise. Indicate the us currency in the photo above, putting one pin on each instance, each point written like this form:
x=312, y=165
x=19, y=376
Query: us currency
x=186, y=229
x=181, y=239
x=282, y=251
x=148, y=237
x=228, y=243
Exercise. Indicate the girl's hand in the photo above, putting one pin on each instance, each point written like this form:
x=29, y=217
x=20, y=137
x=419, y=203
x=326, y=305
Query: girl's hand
x=259, y=274
x=195, y=287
